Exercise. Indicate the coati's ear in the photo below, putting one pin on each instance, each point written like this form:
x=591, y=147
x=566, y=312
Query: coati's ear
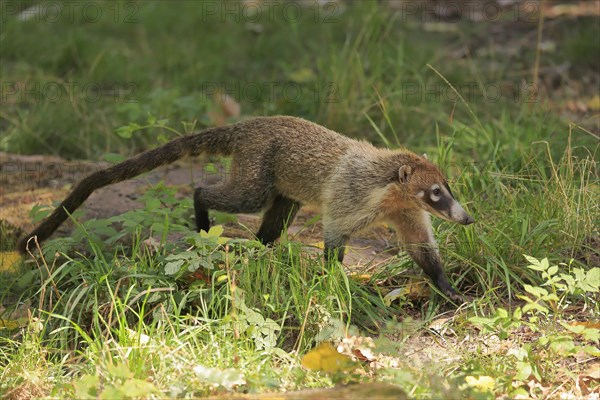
x=404, y=173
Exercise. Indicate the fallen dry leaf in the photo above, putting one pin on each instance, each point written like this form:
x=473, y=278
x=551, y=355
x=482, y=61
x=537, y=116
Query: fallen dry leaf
x=326, y=358
x=586, y=324
x=9, y=261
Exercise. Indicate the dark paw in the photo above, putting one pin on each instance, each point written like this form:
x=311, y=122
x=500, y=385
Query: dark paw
x=456, y=297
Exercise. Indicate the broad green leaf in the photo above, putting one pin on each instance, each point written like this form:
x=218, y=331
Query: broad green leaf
x=125, y=132
x=524, y=370
x=206, y=264
x=578, y=329
x=519, y=353
x=549, y=297
x=534, y=263
x=501, y=312
x=110, y=393
x=535, y=290
x=86, y=387
x=535, y=306
x=552, y=270
x=563, y=346
x=518, y=313
x=215, y=231
x=592, y=350
x=119, y=371
x=136, y=388
x=487, y=323
x=171, y=268
x=569, y=280
x=592, y=334
x=580, y=274
x=39, y=212
x=593, y=277
x=152, y=204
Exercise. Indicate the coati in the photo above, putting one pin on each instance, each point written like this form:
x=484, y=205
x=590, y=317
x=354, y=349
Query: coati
x=280, y=163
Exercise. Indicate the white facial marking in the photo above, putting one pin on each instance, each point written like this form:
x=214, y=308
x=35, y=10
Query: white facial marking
x=433, y=196
x=456, y=211
x=421, y=194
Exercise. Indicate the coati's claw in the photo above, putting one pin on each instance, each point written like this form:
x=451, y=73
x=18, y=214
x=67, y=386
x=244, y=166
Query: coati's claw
x=457, y=297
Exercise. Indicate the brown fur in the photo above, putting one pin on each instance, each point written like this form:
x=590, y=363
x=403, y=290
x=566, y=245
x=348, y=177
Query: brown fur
x=280, y=163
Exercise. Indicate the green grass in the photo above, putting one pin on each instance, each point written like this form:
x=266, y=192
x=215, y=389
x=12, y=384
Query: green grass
x=115, y=315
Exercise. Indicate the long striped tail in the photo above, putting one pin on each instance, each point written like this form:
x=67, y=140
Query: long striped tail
x=213, y=140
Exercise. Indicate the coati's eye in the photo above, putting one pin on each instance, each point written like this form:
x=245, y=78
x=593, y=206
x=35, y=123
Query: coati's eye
x=436, y=192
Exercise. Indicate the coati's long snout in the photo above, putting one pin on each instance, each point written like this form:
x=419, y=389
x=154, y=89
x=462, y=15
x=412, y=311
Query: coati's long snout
x=458, y=214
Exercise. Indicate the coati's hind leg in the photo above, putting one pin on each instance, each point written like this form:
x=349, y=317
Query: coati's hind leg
x=228, y=197
x=414, y=230
x=279, y=215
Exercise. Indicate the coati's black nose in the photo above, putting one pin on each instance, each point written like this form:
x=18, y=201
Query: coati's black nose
x=468, y=220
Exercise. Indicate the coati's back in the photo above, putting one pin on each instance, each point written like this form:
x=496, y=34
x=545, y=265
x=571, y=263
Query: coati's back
x=300, y=156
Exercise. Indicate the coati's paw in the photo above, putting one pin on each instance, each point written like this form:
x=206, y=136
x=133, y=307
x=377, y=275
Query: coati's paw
x=446, y=288
x=458, y=298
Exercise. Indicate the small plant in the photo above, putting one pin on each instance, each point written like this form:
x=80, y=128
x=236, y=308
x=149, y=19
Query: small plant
x=558, y=288
x=117, y=382
x=206, y=252
x=544, y=305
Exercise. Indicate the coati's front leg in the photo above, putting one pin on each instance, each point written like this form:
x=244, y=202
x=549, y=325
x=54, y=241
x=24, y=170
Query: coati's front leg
x=414, y=229
x=332, y=251
x=334, y=242
x=427, y=257
x=276, y=218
